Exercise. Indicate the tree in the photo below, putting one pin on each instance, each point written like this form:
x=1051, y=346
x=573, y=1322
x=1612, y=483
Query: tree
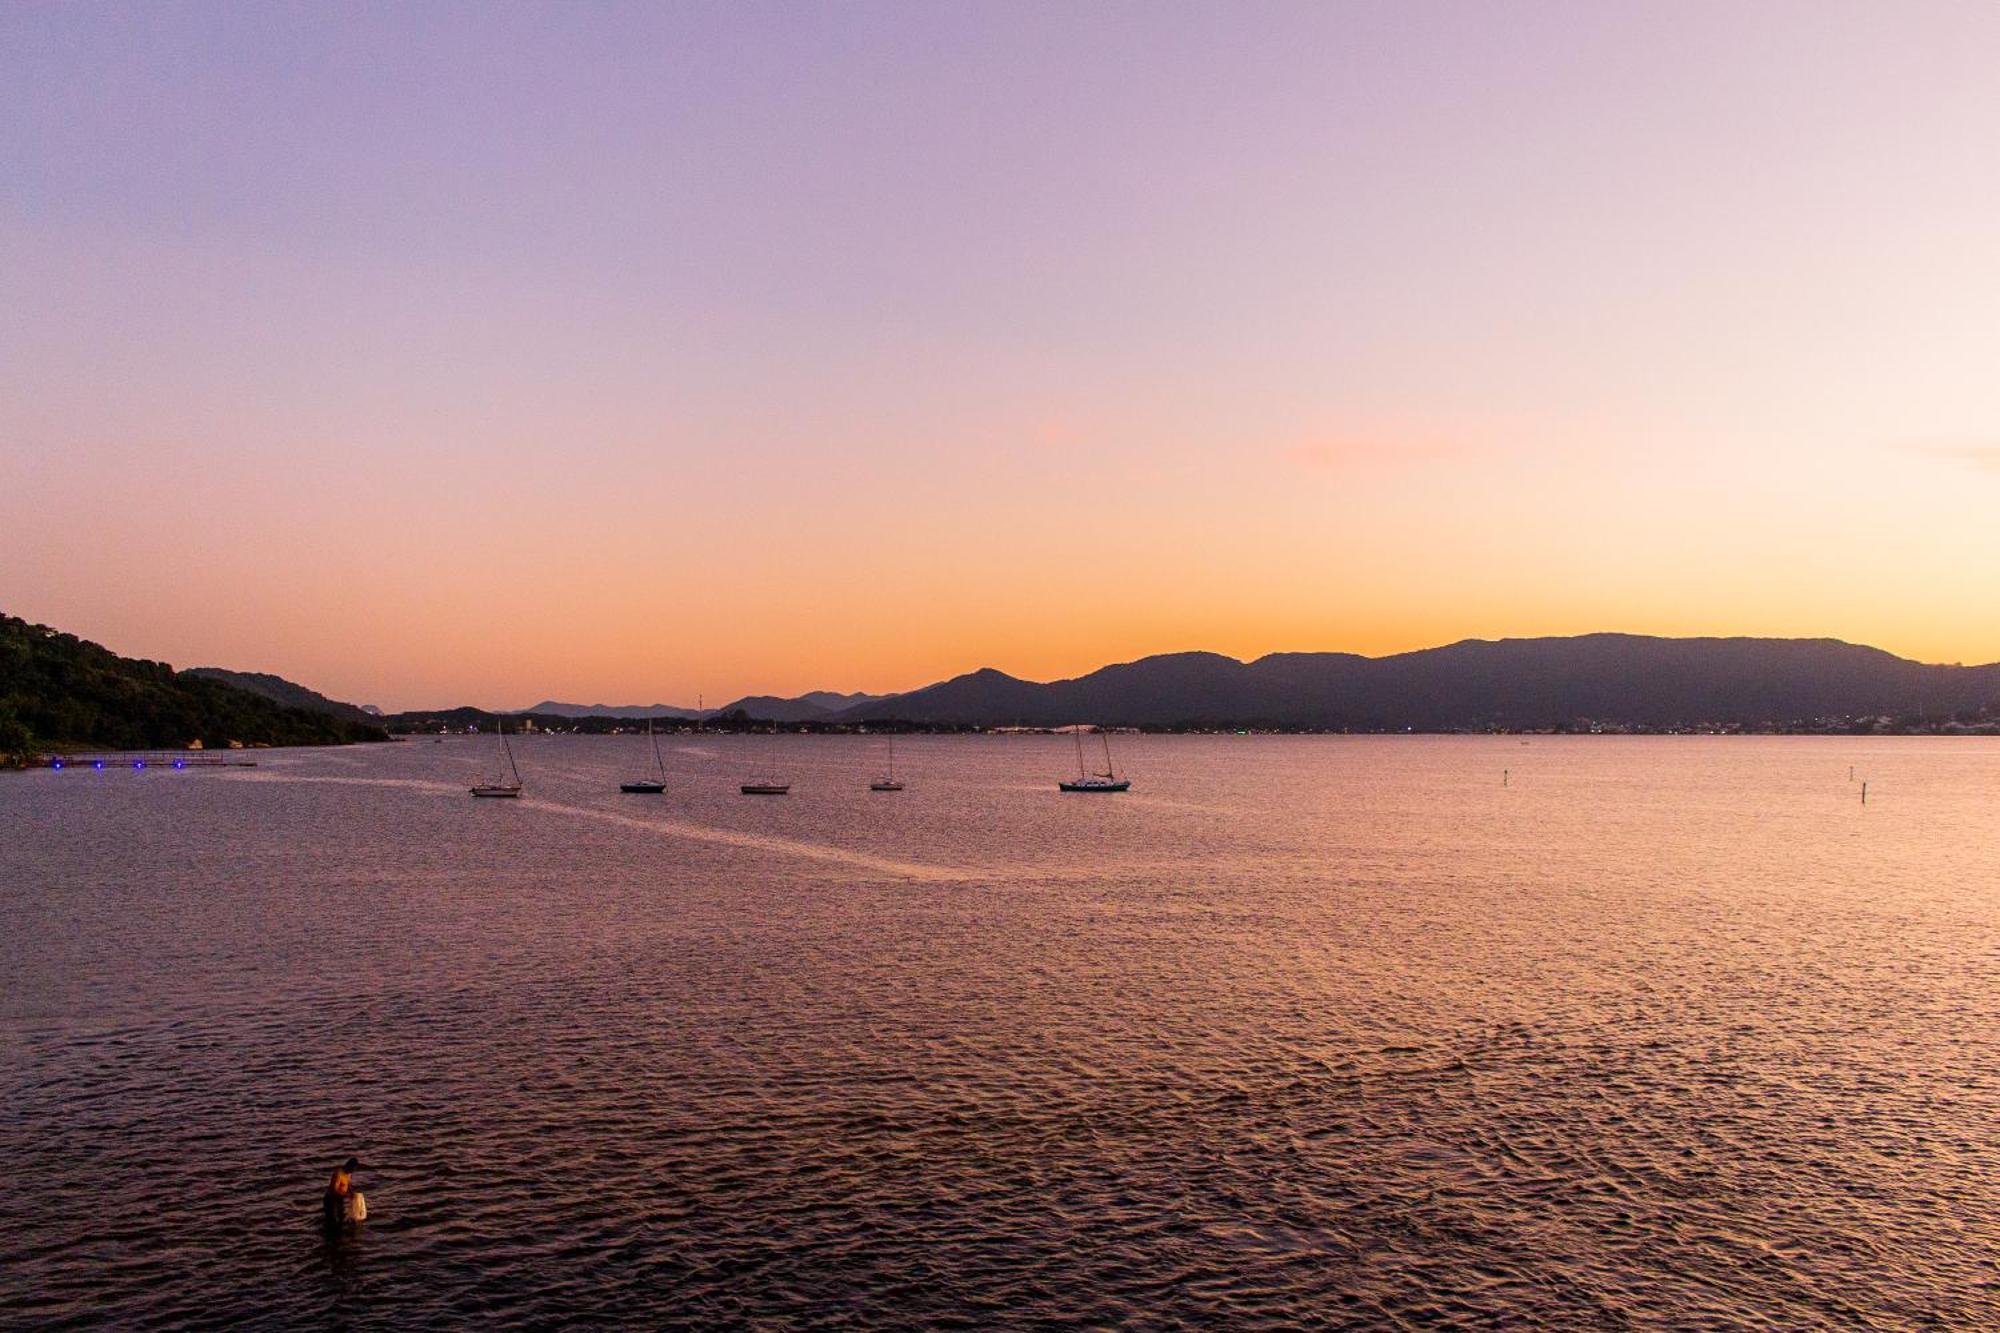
x=16, y=741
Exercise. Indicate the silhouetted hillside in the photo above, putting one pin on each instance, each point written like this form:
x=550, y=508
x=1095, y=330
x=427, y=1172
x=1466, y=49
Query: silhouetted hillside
x=816, y=706
x=1621, y=679
x=979, y=698
x=288, y=693
x=770, y=708
x=466, y=717
x=833, y=700
x=637, y=712
x=57, y=690
x=810, y=707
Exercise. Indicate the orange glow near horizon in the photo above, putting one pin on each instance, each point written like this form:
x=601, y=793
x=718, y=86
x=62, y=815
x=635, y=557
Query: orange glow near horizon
x=353, y=352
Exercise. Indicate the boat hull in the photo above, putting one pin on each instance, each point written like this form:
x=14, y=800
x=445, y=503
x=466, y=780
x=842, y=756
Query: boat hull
x=643, y=788
x=497, y=793
x=1095, y=786
x=766, y=789
x=885, y=784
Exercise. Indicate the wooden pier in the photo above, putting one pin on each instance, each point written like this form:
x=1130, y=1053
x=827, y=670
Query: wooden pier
x=145, y=759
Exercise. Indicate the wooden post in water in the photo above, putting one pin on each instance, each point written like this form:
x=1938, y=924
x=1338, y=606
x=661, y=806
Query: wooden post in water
x=1503, y=777
x=1864, y=793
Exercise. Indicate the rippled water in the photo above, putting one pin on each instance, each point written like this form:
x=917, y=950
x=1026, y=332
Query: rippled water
x=1302, y=1029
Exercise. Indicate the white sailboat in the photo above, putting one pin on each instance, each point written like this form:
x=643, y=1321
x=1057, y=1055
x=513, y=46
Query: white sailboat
x=1108, y=780
x=507, y=783
x=649, y=786
x=888, y=781
x=767, y=786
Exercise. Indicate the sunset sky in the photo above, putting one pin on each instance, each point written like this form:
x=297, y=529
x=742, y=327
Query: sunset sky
x=432, y=355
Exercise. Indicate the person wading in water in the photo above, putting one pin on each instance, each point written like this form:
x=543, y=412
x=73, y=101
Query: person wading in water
x=342, y=1205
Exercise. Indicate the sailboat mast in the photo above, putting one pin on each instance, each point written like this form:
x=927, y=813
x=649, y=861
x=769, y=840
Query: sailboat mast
x=1105, y=736
x=1076, y=734
x=507, y=750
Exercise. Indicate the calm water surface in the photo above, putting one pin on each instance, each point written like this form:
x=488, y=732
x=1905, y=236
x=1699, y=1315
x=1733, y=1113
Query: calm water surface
x=1345, y=1031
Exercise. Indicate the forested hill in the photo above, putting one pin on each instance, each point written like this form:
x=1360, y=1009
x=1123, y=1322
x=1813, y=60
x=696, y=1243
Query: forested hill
x=288, y=693
x=59, y=691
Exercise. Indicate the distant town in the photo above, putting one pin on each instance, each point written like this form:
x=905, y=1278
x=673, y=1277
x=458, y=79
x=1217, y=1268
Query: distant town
x=1978, y=724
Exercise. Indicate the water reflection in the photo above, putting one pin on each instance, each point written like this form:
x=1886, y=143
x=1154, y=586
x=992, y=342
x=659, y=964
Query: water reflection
x=1337, y=1031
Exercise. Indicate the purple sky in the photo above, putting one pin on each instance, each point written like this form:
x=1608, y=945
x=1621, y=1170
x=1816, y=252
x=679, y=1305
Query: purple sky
x=853, y=345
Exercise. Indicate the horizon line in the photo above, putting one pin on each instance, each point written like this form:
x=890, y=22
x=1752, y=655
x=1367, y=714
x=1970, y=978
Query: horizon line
x=1243, y=661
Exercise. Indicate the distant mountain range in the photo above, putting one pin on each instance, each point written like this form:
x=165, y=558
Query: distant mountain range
x=813, y=707
x=1622, y=679
x=637, y=712
x=818, y=706
x=1619, y=680
x=57, y=689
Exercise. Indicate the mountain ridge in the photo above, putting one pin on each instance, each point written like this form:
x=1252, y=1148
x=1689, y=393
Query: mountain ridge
x=813, y=706
x=288, y=694
x=810, y=706
x=56, y=687
x=1518, y=683
x=634, y=712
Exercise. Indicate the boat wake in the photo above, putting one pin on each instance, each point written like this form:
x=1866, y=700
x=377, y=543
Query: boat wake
x=407, y=784
x=764, y=842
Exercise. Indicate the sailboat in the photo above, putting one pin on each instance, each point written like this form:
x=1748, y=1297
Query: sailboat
x=649, y=786
x=507, y=783
x=769, y=786
x=888, y=781
x=1108, y=780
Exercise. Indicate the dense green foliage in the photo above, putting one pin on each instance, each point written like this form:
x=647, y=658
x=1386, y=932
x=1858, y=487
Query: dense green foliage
x=57, y=690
